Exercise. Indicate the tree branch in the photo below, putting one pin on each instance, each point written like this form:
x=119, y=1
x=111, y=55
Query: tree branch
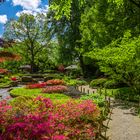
x=135, y=3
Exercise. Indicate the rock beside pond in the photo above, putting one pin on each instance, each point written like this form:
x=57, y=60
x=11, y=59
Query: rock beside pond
x=73, y=92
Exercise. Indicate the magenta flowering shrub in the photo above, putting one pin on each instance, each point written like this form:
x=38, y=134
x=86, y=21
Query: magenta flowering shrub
x=68, y=121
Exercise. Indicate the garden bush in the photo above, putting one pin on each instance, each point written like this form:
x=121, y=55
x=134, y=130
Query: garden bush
x=53, y=76
x=5, y=82
x=98, y=99
x=37, y=85
x=55, y=82
x=110, y=84
x=73, y=82
x=55, y=89
x=71, y=120
x=98, y=82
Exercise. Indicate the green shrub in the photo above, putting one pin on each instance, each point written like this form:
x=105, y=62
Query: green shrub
x=98, y=82
x=5, y=82
x=73, y=82
x=100, y=100
x=75, y=73
x=53, y=76
x=110, y=84
x=49, y=71
x=124, y=93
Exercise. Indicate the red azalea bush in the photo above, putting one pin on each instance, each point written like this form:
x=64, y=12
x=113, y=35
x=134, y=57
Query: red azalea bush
x=3, y=71
x=55, y=82
x=69, y=121
x=55, y=89
x=37, y=85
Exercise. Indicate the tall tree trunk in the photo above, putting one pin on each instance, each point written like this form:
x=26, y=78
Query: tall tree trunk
x=32, y=63
x=82, y=65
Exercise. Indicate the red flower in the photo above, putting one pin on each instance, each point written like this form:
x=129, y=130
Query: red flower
x=13, y=78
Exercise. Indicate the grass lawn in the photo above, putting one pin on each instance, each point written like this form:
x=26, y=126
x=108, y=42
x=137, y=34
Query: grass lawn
x=16, y=92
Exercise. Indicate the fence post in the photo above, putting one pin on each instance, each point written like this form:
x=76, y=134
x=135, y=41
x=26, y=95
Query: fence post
x=139, y=100
x=1, y=97
x=81, y=89
x=112, y=93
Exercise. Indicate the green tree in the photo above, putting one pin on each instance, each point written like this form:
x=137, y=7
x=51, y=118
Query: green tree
x=120, y=60
x=29, y=33
x=66, y=18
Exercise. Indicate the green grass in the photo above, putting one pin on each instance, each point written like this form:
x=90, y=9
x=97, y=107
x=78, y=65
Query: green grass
x=16, y=92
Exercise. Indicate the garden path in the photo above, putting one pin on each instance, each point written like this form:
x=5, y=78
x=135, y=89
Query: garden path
x=124, y=124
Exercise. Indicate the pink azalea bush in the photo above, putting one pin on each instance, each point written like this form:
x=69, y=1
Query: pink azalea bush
x=55, y=89
x=47, y=121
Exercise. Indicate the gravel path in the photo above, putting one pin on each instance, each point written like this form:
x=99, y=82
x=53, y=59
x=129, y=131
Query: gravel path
x=124, y=124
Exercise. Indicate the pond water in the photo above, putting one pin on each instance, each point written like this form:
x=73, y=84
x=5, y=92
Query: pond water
x=4, y=93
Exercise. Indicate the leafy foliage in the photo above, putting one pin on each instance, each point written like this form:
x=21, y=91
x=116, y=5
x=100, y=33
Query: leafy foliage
x=98, y=82
x=74, y=82
x=120, y=60
x=47, y=120
x=29, y=31
x=98, y=99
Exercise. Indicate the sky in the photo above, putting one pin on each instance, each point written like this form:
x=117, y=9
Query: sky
x=11, y=9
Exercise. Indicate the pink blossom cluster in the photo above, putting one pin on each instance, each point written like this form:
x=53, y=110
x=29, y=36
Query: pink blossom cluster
x=69, y=121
